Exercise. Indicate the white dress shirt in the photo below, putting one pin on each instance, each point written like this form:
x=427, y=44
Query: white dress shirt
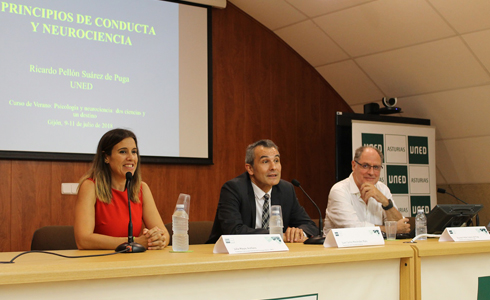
x=346, y=208
x=259, y=204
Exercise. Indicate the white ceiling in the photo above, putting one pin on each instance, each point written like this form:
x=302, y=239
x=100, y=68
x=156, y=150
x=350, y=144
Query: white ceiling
x=433, y=55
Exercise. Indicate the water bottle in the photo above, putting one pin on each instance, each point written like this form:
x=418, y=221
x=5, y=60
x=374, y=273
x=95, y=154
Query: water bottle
x=275, y=221
x=180, y=226
x=420, y=223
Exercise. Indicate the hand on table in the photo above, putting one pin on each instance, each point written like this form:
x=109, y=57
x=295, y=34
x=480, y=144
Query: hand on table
x=155, y=238
x=294, y=235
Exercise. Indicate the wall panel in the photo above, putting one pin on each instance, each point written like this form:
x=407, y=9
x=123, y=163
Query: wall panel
x=5, y=204
x=31, y=201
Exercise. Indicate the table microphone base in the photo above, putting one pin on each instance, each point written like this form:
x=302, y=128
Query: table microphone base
x=315, y=240
x=130, y=247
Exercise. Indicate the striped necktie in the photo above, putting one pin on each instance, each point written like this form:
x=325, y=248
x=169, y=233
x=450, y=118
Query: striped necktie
x=265, y=212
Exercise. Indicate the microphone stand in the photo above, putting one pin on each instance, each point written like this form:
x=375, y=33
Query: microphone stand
x=319, y=239
x=130, y=246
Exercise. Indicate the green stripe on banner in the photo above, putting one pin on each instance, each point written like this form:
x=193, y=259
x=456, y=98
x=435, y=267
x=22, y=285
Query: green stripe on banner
x=484, y=288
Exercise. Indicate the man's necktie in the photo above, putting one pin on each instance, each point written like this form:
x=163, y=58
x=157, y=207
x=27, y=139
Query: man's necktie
x=265, y=212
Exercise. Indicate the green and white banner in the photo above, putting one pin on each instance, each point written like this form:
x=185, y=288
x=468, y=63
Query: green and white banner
x=409, y=166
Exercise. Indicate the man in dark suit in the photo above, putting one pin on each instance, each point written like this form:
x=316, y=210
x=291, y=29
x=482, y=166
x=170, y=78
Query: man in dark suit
x=245, y=201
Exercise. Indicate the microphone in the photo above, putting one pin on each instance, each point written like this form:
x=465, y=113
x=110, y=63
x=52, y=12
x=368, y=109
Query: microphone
x=314, y=239
x=130, y=246
x=443, y=191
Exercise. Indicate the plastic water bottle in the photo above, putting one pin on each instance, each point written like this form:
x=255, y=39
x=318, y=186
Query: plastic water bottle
x=275, y=225
x=420, y=223
x=275, y=221
x=180, y=226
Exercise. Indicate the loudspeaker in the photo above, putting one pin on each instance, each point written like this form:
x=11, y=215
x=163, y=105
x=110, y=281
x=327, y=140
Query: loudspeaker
x=371, y=108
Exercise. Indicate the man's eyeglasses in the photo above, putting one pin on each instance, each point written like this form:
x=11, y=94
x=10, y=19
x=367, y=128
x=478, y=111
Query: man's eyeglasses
x=368, y=166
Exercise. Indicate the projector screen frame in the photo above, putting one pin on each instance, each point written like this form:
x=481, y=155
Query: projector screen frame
x=86, y=157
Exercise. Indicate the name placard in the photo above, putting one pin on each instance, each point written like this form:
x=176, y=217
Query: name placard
x=354, y=237
x=465, y=234
x=249, y=243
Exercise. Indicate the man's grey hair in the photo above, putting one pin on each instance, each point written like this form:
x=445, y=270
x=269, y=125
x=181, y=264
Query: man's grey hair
x=250, y=153
x=360, y=150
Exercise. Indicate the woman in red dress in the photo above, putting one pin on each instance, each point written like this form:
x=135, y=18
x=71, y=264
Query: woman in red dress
x=101, y=212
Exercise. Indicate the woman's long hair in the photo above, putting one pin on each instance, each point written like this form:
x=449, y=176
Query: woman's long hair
x=100, y=171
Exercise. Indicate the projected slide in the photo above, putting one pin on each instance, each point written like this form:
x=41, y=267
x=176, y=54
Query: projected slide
x=73, y=70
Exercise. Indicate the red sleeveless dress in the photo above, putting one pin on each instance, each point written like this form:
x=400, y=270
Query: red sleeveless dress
x=112, y=219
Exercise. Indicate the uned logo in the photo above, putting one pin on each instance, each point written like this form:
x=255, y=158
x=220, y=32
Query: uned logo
x=397, y=179
x=415, y=209
x=377, y=146
x=420, y=202
x=373, y=140
x=418, y=150
x=400, y=179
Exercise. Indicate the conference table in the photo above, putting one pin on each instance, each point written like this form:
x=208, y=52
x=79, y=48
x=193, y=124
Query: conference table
x=303, y=272
x=397, y=270
x=452, y=270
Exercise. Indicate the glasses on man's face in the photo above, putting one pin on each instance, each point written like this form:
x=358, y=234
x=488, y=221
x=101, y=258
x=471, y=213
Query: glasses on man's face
x=368, y=166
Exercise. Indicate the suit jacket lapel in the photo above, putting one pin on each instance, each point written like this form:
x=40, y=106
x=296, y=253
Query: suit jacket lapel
x=251, y=200
x=276, y=195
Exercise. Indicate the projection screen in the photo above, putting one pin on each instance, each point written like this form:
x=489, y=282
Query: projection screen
x=73, y=70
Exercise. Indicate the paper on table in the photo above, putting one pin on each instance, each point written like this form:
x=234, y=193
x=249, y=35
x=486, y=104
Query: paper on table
x=354, y=237
x=463, y=234
x=249, y=243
